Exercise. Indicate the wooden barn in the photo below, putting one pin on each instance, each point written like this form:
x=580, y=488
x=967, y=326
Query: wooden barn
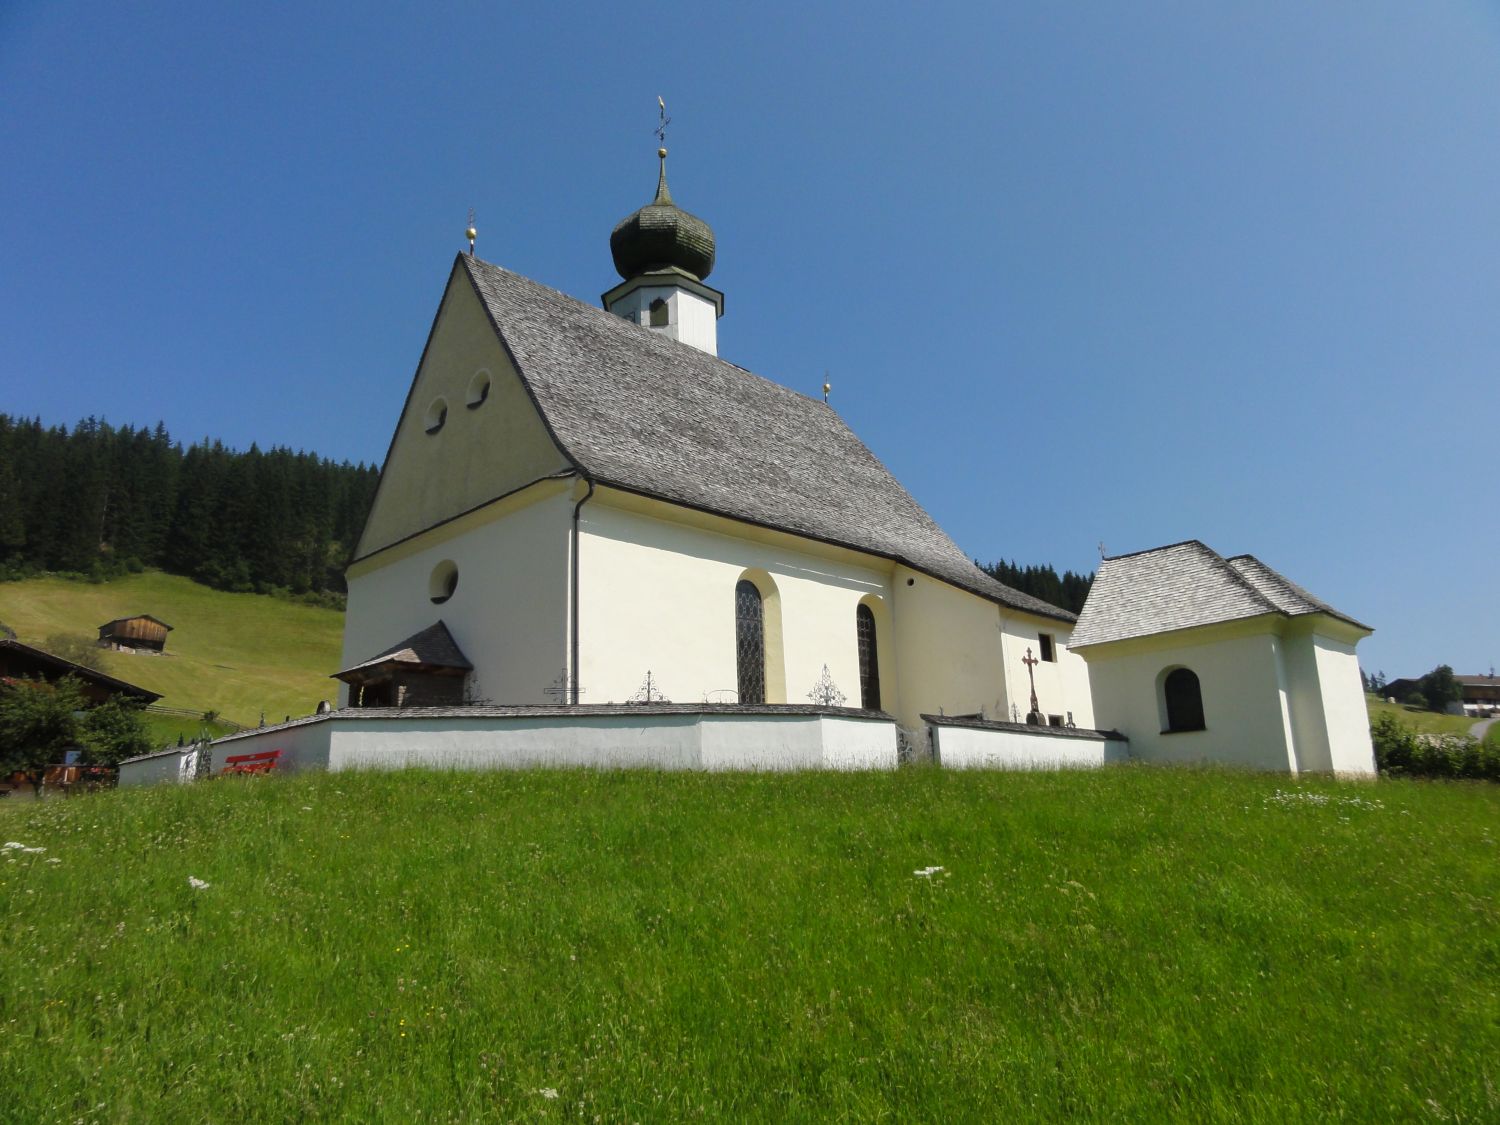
x=142, y=632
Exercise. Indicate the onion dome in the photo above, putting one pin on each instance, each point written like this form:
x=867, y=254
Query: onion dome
x=662, y=236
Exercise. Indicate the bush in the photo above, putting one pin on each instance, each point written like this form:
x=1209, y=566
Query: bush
x=1402, y=752
x=79, y=650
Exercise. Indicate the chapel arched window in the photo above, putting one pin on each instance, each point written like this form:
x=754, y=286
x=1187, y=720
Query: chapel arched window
x=750, y=642
x=869, y=658
x=1184, y=700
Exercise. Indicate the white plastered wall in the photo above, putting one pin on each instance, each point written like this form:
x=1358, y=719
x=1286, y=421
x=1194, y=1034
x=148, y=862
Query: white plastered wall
x=720, y=740
x=691, y=319
x=657, y=595
x=1241, y=676
x=482, y=452
x=1345, y=713
x=509, y=612
x=1062, y=685
x=958, y=747
x=962, y=654
x=949, y=654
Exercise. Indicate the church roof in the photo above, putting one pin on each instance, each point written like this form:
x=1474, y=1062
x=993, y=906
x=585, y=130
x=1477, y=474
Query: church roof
x=640, y=412
x=1183, y=586
x=433, y=647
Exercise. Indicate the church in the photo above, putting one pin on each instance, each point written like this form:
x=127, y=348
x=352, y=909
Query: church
x=594, y=540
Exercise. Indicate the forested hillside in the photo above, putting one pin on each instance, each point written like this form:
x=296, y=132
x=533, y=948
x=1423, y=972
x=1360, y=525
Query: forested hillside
x=1067, y=592
x=101, y=500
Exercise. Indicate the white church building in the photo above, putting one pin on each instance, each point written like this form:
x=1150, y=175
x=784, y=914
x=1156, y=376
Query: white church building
x=594, y=541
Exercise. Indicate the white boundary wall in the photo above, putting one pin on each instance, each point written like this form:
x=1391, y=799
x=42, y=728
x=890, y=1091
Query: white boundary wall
x=714, y=740
x=981, y=745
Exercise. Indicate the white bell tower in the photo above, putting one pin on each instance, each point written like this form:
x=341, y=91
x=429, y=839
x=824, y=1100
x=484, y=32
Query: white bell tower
x=664, y=253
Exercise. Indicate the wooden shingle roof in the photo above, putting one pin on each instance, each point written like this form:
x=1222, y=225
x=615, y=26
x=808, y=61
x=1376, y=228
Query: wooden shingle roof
x=1183, y=586
x=646, y=414
x=432, y=649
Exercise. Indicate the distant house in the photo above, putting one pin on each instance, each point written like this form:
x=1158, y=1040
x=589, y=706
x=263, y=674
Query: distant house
x=1403, y=689
x=1481, y=693
x=142, y=632
x=19, y=662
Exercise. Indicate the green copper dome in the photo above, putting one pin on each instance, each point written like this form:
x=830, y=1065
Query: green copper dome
x=662, y=235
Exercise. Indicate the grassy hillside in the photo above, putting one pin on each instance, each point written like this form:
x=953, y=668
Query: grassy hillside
x=1426, y=722
x=237, y=654
x=1132, y=944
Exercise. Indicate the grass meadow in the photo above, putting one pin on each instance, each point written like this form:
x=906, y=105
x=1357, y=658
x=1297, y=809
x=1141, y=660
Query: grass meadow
x=1131, y=944
x=1419, y=719
x=238, y=654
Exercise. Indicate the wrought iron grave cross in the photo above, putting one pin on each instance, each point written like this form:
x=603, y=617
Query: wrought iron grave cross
x=1031, y=662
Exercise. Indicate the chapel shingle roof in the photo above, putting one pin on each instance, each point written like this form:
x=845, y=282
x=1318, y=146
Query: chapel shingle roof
x=647, y=414
x=1182, y=586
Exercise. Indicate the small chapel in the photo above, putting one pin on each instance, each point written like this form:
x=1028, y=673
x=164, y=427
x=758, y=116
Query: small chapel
x=595, y=541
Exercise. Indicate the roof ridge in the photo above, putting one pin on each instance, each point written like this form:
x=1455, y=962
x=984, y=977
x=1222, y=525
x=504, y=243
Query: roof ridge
x=1163, y=547
x=1236, y=576
x=614, y=322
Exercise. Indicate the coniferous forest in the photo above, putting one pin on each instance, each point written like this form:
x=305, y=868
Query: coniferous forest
x=101, y=500
x=1067, y=592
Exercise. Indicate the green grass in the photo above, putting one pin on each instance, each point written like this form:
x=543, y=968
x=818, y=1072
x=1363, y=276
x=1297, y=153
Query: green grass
x=1133, y=944
x=165, y=729
x=1424, y=722
x=238, y=654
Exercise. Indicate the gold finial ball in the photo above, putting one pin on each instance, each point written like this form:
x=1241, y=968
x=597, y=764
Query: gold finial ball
x=471, y=234
x=661, y=152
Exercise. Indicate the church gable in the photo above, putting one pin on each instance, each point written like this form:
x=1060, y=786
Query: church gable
x=469, y=432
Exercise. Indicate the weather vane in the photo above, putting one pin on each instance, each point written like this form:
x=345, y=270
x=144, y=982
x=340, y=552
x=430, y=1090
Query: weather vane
x=661, y=129
x=470, y=233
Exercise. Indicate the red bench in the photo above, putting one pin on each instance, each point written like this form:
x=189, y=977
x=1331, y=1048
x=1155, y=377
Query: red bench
x=263, y=762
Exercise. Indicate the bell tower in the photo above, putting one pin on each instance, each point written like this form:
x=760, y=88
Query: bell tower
x=664, y=253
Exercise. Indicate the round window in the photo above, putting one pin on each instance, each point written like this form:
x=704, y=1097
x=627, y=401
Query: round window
x=443, y=582
x=437, y=414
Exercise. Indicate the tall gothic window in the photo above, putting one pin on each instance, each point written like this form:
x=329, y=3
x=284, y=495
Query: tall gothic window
x=869, y=659
x=750, y=642
x=1184, y=700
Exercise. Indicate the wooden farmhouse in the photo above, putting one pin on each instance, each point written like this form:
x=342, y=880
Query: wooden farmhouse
x=139, y=633
x=20, y=663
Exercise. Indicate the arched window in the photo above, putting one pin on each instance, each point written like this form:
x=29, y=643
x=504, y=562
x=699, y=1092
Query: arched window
x=658, y=313
x=1184, y=700
x=869, y=658
x=750, y=642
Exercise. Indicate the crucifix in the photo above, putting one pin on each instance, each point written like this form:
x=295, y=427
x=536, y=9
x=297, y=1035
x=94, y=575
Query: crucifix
x=1031, y=662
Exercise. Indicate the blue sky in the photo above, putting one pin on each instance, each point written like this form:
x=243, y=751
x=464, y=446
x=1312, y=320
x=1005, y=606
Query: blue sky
x=1078, y=272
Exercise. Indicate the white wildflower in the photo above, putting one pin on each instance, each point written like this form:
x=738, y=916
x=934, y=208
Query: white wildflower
x=53, y=859
x=548, y=1092
x=926, y=872
x=197, y=884
x=13, y=846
